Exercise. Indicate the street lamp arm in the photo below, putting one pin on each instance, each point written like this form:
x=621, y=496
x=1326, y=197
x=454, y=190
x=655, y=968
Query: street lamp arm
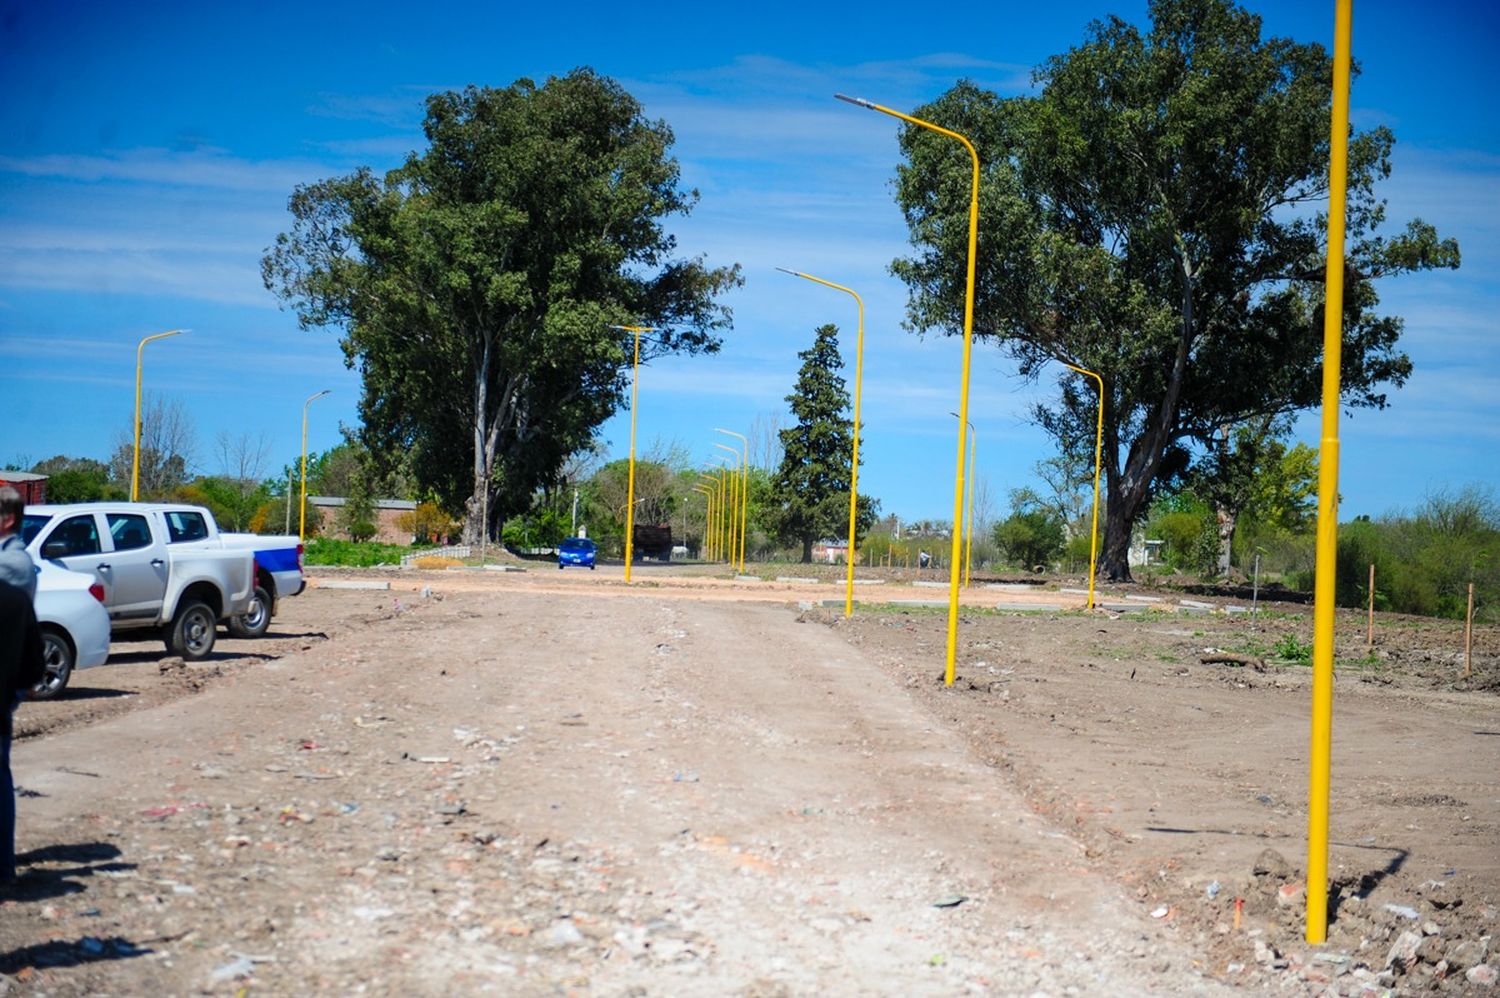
x=872, y=106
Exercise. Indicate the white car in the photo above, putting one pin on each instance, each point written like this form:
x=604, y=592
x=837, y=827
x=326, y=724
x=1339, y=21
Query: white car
x=75, y=626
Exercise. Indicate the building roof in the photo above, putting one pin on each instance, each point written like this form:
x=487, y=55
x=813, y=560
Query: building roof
x=336, y=501
x=21, y=476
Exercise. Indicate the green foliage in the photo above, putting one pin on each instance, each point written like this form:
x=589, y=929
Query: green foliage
x=330, y=551
x=356, y=517
x=1030, y=538
x=1077, y=550
x=810, y=493
x=1190, y=529
x=1425, y=561
x=1283, y=554
x=233, y=508
x=1249, y=476
x=361, y=530
x=78, y=480
x=1150, y=214
x=477, y=284
x=542, y=527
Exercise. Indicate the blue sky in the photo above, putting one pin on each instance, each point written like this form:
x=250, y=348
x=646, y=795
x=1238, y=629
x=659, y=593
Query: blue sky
x=147, y=151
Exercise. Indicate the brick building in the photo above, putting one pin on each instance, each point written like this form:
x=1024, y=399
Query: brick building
x=387, y=511
x=33, y=488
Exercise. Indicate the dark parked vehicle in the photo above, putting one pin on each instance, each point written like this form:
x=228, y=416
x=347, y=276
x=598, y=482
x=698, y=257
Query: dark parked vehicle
x=576, y=551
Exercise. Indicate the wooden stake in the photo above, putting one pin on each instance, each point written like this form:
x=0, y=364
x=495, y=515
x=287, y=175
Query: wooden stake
x=1370, y=631
x=1469, y=635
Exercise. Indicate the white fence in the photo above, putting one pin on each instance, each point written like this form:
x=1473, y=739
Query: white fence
x=451, y=551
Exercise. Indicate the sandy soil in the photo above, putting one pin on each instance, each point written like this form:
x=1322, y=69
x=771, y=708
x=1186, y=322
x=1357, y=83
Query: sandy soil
x=544, y=782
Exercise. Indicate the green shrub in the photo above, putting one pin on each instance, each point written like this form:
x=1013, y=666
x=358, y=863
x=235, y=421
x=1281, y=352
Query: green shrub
x=1030, y=539
x=1294, y=649
x=1425, y=561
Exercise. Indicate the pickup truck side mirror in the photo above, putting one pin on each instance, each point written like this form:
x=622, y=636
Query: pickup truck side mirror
x=55, y=549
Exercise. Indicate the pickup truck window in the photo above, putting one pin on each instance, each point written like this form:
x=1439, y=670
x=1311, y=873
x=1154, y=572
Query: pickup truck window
x=129, y=531
x=31, y=525
x=184, y=525
x=75, y=535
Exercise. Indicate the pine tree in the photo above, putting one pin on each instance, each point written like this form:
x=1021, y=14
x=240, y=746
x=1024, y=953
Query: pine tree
x=811, y=489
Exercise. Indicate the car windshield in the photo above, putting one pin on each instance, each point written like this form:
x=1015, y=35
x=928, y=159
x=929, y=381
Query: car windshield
x=578, y=544
x=32, y=524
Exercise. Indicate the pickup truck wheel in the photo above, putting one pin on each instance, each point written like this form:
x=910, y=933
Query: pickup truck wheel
x=192, y=632
x=254, y=621
x=57, y=663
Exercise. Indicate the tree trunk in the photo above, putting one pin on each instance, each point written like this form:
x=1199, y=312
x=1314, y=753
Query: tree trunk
x=807, y=546
x=1226, y=518
x=478, y=510
x=1114, y=557
x=1129, y=488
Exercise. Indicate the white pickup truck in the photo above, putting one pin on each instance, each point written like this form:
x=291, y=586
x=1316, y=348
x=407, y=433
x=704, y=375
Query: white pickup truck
x=180, y=590
x=278, y=560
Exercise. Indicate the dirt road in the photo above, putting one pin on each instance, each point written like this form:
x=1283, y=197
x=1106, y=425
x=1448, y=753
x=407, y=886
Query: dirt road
x=532, y=784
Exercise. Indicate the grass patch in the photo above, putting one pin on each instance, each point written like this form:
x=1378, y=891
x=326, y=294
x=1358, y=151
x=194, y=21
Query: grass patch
x=352, y=554
x=1293, y=649
x=1365, y=663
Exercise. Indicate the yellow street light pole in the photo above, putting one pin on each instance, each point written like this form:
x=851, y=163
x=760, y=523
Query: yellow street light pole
x=744, y=489
x=635, y=380
x=708, y=507
x=717, y=474
x=711, y=484
x=717, y=517
x=1321, y=738
x=1098, y=456
x=135, y=463
x=302, y=503
x=969, y=514
x=963, y=405
x=730, y=473
x=734, y=501
x=859, y=366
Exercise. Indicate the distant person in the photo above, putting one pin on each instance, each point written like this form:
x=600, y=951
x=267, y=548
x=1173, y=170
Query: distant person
x=15, y=564
x=923, y=559
x=21, y=668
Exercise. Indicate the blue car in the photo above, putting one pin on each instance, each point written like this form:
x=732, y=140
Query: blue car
x=576, y=551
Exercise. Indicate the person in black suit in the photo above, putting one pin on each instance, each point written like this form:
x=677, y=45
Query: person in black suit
x=20, y=669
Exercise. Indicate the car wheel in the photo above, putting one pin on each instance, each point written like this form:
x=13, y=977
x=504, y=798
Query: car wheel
x=561, y=566
x=192, y=631
x=57, y=665
x=254, y=621
x=591, y=568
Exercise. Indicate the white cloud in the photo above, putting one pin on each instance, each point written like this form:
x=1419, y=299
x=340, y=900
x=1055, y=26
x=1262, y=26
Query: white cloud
x=166, y=167
x=137, y=274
